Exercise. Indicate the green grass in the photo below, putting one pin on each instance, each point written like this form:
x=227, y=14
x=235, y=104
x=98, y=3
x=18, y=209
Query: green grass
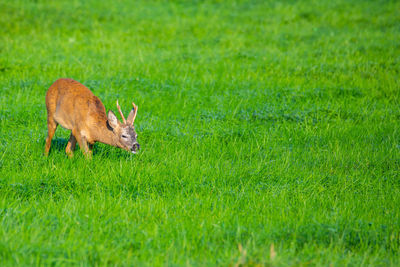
x=260, y=123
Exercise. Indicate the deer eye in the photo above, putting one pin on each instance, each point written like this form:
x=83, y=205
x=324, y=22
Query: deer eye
x=124, y=136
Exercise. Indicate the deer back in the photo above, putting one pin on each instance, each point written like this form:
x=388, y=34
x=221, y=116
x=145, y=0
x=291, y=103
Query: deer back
x=73, y=105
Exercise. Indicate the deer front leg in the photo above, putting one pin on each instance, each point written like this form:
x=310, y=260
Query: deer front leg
x=83, y=144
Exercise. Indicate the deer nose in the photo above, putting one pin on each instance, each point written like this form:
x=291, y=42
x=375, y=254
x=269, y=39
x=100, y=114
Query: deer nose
x=135, y=147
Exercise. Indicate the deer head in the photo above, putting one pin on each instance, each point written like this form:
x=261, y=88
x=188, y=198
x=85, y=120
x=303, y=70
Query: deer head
x=125, y=134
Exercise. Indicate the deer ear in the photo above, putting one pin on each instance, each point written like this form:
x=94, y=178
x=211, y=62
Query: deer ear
x=130, y=117
x=112, y=119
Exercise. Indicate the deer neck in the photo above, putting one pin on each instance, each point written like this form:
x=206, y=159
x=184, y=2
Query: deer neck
x=105, y=134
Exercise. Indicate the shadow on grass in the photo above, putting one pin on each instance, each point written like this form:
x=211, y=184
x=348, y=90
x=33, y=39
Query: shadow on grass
x=59, y=144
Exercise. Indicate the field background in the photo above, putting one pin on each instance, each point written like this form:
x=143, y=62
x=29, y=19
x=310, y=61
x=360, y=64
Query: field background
x=269, y=133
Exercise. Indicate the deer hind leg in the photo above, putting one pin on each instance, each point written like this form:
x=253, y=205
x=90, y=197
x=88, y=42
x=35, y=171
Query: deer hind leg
x=51, y=128
x=71, y=146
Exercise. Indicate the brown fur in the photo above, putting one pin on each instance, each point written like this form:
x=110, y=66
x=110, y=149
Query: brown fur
x=73, y=106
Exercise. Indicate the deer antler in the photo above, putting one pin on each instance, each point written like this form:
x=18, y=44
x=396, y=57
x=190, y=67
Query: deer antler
x=120, y=112
x=134, y=115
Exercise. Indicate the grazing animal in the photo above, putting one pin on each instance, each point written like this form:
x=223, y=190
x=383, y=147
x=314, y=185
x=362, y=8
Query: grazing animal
x=73, y=106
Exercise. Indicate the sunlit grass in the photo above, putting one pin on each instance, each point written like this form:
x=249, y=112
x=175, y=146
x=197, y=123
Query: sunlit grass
x=260, y=123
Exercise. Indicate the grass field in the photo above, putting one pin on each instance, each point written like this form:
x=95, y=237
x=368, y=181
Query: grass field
x=269, y=133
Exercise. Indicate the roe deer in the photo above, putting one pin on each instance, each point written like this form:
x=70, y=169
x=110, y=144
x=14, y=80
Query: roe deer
x=73, y=106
